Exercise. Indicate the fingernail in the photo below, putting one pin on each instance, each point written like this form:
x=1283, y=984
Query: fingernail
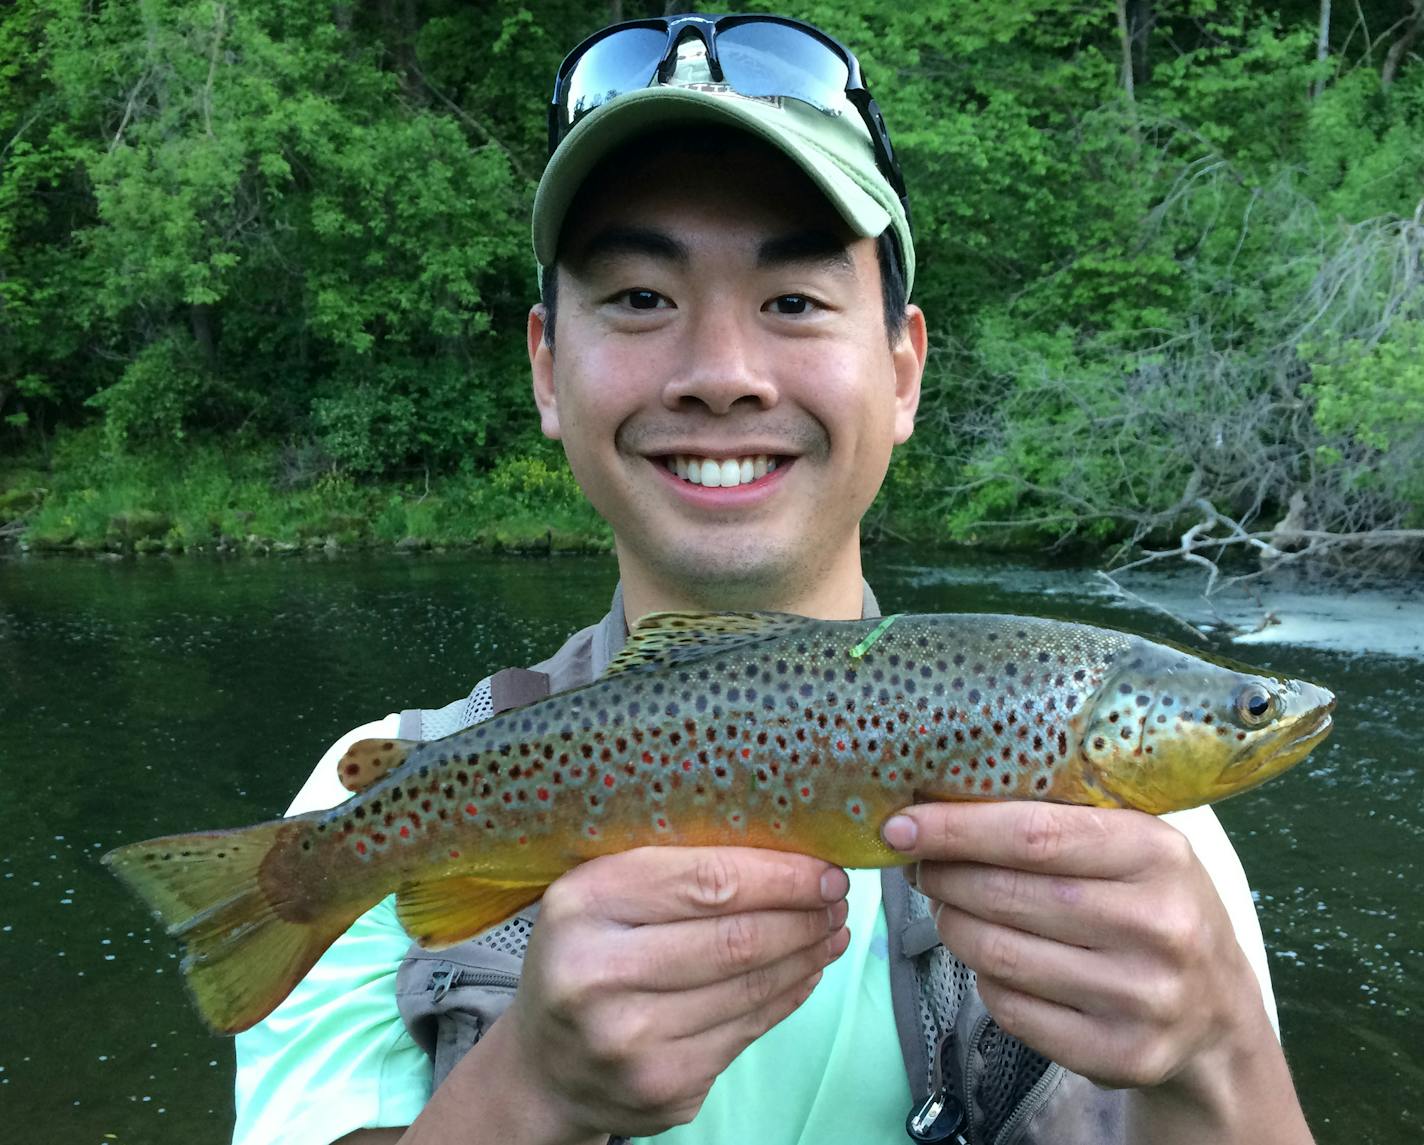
x=837, y=913
x=835, y=884
x=900, y=831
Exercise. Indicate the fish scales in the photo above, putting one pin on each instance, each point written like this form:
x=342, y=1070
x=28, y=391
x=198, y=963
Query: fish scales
x=763, y=730
x=747, y=744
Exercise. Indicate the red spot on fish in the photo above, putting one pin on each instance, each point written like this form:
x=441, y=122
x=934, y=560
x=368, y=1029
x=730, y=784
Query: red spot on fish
x=805, y=793
x=544, y=794
x=647, y=757
x=360, y=847
x=840, y=745
x=404, y=831
x=523, y=840
x=924, y=730
x=662, y=823
x=593, y=830
x=687, y=765
x=454, y=854
x=954, y=770
x=353, y=769
x=746, y=753
x=855, y=808
x=471, y=809
x=608, y=781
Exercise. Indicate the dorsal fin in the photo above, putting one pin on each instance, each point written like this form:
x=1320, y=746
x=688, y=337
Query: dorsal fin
x=672, y=637
x=368, y=760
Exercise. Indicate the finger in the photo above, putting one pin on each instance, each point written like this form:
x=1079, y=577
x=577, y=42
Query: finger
x=667, y=884
x=1113, y=1054
x=730, y=1038
x=1082, y=979
x=746, y=997
x=698, y=952
x=1033, y=836
x=1079, y=911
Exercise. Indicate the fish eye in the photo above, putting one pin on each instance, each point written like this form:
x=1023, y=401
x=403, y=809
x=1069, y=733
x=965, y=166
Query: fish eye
x=1254, y=705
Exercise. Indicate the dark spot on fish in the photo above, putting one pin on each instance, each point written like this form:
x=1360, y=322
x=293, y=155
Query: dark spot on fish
x=1011, y=669
x=1080, y=675
x=1043, y=657
x=973, y=695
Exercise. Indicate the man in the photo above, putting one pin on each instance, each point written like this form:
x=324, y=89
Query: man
x=725, y=351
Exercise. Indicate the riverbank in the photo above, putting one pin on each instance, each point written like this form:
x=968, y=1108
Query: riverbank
x=280, y=502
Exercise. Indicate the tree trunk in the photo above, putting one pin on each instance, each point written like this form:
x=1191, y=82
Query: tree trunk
x=615, y=11
x=1322, y=49
x=1400, y=48
x=200, y=319
x=1140, y=18
x=1124, y=37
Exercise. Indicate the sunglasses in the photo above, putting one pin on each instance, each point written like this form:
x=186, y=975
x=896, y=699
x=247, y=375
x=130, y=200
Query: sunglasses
x=754, y=55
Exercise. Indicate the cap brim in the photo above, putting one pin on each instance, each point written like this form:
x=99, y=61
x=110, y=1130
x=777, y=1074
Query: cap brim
x=637, y=113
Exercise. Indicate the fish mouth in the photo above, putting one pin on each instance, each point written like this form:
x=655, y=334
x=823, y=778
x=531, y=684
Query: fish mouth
x=1280, y=754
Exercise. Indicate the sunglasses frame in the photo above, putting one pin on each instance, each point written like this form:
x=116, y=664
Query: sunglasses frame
x=707, y=28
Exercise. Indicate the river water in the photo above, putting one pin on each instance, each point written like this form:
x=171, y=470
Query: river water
x=143, y=698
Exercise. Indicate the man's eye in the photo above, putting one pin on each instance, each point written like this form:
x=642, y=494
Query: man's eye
x=642, y=299
x=791, y=304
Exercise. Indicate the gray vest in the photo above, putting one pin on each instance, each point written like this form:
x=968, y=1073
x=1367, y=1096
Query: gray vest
x=971, y=1082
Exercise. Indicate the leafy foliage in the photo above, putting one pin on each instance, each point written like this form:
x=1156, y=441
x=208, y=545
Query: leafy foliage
x=264, y=221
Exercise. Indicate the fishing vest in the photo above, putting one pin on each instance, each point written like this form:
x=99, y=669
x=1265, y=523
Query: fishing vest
x=972, y=1083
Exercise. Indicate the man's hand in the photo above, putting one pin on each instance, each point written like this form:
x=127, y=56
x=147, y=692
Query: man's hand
x=650, y=970
x=1100, y=941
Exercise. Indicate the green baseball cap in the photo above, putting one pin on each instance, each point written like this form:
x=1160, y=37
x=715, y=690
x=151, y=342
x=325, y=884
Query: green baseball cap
x=833, y=148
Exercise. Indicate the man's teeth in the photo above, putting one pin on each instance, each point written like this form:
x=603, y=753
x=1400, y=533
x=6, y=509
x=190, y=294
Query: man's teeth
x=717, y=474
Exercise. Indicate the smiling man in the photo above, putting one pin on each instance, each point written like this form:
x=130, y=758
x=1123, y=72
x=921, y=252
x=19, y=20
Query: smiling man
x=726, y=351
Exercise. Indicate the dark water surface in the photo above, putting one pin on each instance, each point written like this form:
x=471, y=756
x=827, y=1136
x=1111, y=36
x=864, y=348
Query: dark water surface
x=145, y=698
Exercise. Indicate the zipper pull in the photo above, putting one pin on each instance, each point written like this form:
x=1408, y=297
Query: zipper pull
x=440, y=983
x=939, y=1119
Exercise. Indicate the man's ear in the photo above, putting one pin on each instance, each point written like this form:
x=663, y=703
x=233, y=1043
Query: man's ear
x=909, y=357
x=541, y=368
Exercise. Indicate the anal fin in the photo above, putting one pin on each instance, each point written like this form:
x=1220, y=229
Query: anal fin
x=442, y=912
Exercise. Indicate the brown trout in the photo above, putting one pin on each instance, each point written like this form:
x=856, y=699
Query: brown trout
x=756, y=729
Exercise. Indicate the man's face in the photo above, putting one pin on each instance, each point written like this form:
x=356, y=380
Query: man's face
x=715, y=316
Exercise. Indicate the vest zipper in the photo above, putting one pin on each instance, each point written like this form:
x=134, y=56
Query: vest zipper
x=1032, y=1101
x=443, y=981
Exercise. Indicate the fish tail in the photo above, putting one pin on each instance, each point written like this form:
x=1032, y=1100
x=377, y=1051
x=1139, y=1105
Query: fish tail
x=231, y=897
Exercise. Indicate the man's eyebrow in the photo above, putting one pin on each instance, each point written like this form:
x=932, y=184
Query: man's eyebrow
x=611, y=242
x=815, y=246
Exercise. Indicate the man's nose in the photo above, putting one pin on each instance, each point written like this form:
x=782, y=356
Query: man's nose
x=723, y=364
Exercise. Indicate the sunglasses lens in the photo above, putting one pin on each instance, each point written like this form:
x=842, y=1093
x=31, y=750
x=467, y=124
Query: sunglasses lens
x=765, y=59
x=622, y=62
